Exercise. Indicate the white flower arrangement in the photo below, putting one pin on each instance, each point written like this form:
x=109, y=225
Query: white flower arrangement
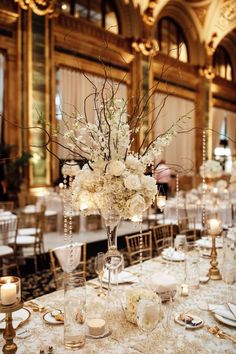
x=211, y=169
x=133, y=296
x=113, y=175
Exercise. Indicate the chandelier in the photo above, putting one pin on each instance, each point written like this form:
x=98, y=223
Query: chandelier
x=39, y=7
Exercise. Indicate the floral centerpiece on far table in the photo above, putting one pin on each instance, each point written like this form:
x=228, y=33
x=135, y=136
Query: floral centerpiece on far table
x=211, y=169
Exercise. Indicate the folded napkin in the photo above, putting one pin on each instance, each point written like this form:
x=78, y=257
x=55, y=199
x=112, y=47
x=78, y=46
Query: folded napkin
x=222, y=310
x=63, y=255
x=123, y=277
x=171, y=254
x=206, y=242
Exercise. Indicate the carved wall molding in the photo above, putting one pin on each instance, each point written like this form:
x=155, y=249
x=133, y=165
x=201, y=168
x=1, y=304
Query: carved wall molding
x=201, y=13
x=96, y=34
x=227, y=15
x=39, y=7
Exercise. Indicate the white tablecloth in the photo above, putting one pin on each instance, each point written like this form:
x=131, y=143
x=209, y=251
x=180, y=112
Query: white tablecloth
x=125, y=337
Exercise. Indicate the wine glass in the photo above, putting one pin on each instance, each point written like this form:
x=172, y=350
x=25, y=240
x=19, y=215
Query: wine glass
x=149, y=314
x=180, y=244
x=99, y=269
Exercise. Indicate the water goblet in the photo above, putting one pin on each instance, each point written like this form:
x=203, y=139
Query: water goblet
x=180, y=243
x=99, y=269
x=149, y=314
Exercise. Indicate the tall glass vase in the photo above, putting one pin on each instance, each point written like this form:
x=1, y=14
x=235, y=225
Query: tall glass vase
x=113, y=258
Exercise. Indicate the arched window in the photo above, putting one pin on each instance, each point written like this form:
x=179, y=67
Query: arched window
x=222, y=63
x=171, y=39
x=102, y=13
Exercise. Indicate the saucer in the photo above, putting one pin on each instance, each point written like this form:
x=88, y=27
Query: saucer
x=106, y=333
x=196, y=322
x=50, y=319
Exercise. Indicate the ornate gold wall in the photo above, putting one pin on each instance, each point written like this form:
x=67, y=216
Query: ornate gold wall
x=37, y=44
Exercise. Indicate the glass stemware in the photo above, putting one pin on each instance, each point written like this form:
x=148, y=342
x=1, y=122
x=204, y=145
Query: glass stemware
x=149, y=314
x=180, y=244
x=99, y=268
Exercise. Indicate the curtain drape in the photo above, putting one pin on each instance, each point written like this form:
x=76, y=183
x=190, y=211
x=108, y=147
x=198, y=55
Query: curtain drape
x=73, y=88
x=2, y=66
x=181, y=151
x=218, y=116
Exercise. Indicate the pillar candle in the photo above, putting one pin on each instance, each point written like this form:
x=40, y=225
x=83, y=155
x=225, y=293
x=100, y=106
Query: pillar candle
x=8, y=293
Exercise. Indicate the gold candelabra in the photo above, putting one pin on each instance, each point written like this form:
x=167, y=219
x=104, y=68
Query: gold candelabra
x=214, y=230
x=9, y=332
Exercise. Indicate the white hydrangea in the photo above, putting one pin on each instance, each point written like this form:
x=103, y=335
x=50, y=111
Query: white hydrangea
x=211, y=169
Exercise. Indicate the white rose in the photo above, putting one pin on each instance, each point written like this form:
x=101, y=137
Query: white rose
x=149, y=183
x=116, y=168
x=132, y=182
x=134, y=164
x=136, y=205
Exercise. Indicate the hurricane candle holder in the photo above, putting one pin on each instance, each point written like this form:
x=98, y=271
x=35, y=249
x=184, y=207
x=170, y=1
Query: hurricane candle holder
x=10, y=301
x=214, y=229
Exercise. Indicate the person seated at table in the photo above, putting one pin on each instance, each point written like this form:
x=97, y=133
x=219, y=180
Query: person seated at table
x=162, y=175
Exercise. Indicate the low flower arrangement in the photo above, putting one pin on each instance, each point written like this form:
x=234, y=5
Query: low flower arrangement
x=211, y=169
x=132, y=298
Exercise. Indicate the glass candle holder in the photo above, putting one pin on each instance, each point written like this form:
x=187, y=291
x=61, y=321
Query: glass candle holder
x=74, y=311
x=10, y=290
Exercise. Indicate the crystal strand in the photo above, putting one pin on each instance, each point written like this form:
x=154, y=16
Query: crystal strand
x=203, y=179
x=70, y=238
x=177, y=198
x=65, y=219
x=141, y=245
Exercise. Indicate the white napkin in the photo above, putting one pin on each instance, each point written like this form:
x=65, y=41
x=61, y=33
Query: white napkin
x=171, y=254
x=222, y=310
x=206, y=242
x=63, y=256
x=232, y=309
x=123, y=277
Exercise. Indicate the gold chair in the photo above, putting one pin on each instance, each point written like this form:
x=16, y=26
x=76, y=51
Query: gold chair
x=163, y=237
x=133, y=247
x=187, y=226
x=30, y=234
x=7, y=206
x=8, y=232
x=56, y=267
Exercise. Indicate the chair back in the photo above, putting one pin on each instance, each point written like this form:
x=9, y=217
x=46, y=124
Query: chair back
x=187, y=226
x=133, y=244
x=56, y=268
x=35, y=219
x=8, y=230
x=7, y=206
x=163, y=237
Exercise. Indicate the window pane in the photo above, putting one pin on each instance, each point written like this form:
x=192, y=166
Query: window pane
x=171, y=40
x=222, y=64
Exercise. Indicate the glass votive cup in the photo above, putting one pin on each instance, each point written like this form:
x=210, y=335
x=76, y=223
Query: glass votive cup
x=10, y=291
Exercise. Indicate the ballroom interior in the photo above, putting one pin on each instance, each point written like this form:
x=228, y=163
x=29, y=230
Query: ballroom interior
x=118, y=162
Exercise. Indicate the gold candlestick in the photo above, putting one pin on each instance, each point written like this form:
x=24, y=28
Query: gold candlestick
x=214, y=227
x=10, y=301
x=9, y=332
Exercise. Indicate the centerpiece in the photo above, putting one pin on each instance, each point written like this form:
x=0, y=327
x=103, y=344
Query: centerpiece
x=112, y=181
